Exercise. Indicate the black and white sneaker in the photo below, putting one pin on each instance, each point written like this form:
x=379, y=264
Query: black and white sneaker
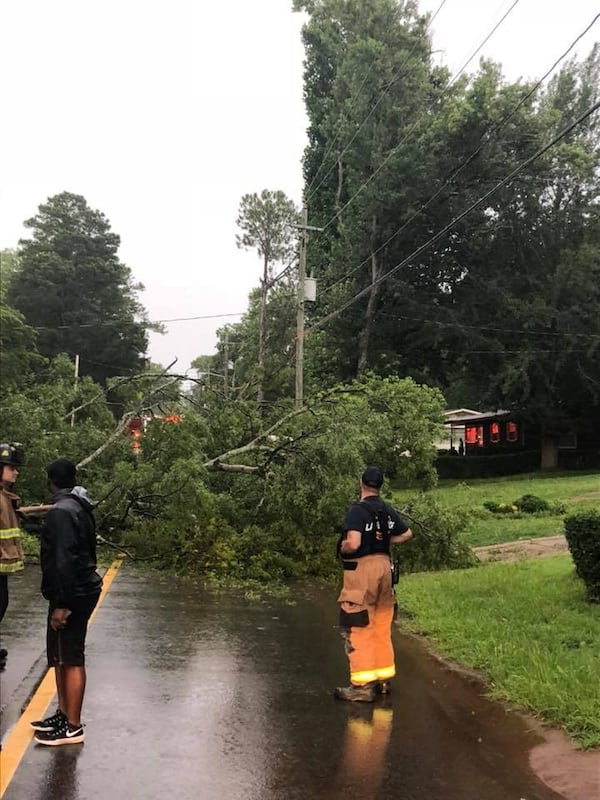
x=64, y=734
x=50, y=723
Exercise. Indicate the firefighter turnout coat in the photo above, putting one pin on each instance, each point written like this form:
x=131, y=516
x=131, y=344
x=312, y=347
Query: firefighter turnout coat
x=11, y=550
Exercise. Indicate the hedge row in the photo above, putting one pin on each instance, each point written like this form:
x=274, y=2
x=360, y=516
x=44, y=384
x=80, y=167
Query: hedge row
x=487, y=466
x=582, y=532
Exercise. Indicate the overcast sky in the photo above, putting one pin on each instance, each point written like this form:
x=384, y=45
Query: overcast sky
x=164, y=114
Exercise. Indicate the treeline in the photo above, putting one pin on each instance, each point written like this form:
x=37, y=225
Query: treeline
x=503, y=309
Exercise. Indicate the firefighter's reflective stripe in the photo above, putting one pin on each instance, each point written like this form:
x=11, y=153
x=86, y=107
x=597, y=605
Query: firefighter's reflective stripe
x=10, y=533
x=7, y=569
x=369, y=675
x=366, y=676
x=11, y=559
x=385, y=673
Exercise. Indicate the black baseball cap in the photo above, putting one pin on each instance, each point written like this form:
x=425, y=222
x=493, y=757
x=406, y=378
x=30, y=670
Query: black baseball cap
x=372, y=477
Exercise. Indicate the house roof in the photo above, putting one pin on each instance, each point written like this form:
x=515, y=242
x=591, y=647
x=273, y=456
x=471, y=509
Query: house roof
x=479, y=416
x=452, y=413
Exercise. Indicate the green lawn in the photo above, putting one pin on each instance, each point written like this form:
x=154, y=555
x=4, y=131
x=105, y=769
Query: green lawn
x=578, y=492
x=526, y=627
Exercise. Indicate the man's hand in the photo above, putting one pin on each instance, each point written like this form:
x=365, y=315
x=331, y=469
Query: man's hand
x=40, y=509
x=400, y=538
x=58, y=618
x=352, y=542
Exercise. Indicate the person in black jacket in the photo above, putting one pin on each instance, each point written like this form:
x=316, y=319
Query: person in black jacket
x=72, y=587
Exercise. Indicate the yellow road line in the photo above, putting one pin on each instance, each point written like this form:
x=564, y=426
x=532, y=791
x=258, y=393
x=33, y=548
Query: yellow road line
x=21, y=735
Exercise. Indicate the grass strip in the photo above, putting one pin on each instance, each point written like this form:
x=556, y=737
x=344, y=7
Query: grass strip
x=495, y=529
x=577, y=491
x=526, y=626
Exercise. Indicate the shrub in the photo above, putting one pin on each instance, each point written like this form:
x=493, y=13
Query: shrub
x=531, y=504
x=487, y=466
x=500, y=508
x=437, y=542
x=582, y=532
x=527, y=504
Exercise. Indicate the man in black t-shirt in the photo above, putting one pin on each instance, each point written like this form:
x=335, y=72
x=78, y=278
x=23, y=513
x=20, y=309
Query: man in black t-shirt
x=367, y=596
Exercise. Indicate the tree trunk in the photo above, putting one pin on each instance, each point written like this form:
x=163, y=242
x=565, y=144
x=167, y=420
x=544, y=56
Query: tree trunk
x=260, y=395
x=374, y=294
x=549, y=453
x=338, y=194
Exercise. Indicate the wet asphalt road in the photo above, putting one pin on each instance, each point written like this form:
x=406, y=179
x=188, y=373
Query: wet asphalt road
x=208, y=696
x=24, y=635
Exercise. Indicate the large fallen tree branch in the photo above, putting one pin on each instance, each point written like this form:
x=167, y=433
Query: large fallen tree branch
x=118, y=431
x=255, y=444
x=215, y=464
x=124, y=421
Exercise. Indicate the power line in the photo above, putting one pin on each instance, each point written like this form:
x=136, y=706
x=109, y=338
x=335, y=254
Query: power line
x=283, y=272
x=143, y=322
x=487, y=38
x=320, y=323
x=521, y=351
x=412, y=127
x=519, y=331
x=87, y=360
x=204, y=316
x=470, y=158
x=102, y=323
x=337, y=135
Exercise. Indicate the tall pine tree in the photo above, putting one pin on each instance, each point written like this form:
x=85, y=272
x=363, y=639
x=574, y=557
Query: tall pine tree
x=74, y=291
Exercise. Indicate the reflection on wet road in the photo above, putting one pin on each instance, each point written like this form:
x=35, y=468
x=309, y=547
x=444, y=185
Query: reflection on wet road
x=204, y=695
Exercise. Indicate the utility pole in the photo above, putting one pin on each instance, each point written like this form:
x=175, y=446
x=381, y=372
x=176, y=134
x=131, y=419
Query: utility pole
x=304, y=229
x=300, y=313
x=226, y=367
x=75, y=388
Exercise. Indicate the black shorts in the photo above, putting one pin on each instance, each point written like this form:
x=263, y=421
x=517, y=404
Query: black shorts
x=67, y=646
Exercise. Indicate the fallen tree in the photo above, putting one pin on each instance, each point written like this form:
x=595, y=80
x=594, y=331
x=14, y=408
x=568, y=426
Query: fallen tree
x=226, y=490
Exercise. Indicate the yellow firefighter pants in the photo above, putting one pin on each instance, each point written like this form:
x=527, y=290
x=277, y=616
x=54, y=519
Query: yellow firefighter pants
x=366, y=612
